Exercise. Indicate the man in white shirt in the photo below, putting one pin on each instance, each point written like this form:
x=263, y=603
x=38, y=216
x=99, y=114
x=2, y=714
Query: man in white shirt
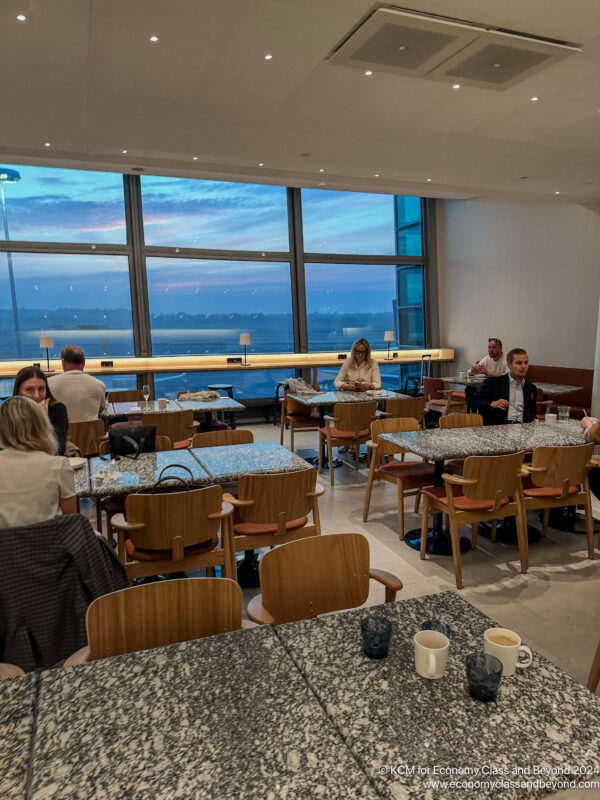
x=82, y=394
x=492, y=365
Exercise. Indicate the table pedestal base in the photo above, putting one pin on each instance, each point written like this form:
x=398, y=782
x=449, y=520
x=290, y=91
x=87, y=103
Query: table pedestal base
x=506, y=531
x=566, y=519
x=438, y=544
x=247, y=571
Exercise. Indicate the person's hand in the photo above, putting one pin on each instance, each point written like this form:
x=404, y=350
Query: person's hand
x=501, y=404
x=348, y=387
x=45, y=403
x=476, y=369
x=587, y=422
x=364, y=386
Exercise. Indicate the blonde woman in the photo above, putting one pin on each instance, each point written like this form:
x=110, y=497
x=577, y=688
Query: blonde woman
x=360, y=372
x=35, y=483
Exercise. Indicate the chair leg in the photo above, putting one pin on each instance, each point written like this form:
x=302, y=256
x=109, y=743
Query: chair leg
x=589, y=525
x=321, y=445
x=316, y=515
x=282, y=429
x=545, y=519
x=369, y=487
x=99, y=515
x=330, y=456
x=424, y=526
x=401, y=510
x=493, y=533
x=521, y=520
x=417, y=502
x=594, y=676
x=456, y=550
x=356, y=454
x=292, y=437
x=474, y=532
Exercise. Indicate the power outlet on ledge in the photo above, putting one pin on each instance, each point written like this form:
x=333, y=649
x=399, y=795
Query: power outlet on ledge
x=342, y=356
x=106, y=363
x=234, y=360
x=395, y=355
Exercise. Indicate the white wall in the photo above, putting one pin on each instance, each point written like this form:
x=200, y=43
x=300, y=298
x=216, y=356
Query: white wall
x=526, y=272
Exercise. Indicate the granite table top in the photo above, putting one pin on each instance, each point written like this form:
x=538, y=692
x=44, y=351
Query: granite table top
x=221, y=718
x=229, y=462
x=16, y=730
x=222, y=404
x=141, y=473
x=393, y=719
x=489, y=440
x=330, y=398
x=549, y=389
x=137, y=408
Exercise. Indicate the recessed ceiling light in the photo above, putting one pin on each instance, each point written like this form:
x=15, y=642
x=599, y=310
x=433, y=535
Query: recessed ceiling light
x=534, y=99
x=369, y=72
x=321, y=170
x=322, y=183
x=428, y=180
x=376, y=175
x=456, y=85
x=154, y=38
x=556, y=192
x=261, y=163
x=21, y=17
x=268, y=57
x=497, y=65
x=195, y=158
x=46, y=144
x=124, y=152
x=402, y=47
x=524, y=177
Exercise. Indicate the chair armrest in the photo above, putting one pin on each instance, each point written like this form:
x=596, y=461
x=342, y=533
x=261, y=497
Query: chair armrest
x=119, y=522
x=79, y=657
x=328, y=418
x=530, y=469
x=458, y=481
x=9, y=670
x=319, y=490
x=258, y=613
x=372, y=445
x=226, y=510
x=591, y=464
x=229, y=498
x=524, y=473
x=392, y=583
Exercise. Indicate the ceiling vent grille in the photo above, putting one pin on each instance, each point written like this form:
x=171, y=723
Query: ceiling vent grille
x=405, y=42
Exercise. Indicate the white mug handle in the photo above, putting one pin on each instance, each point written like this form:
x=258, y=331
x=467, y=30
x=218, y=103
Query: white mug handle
x=524, y=651
x=431, y=665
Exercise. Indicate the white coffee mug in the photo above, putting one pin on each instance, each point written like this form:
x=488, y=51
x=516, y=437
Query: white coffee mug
x=431, y=653
x=506, y=645
x=462, y=376
x=550, y=419
x=162, y=403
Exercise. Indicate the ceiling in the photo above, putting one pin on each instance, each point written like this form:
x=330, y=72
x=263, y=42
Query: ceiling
x=84, y=76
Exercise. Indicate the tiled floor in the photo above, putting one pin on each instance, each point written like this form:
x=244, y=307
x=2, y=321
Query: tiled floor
x=555, y=607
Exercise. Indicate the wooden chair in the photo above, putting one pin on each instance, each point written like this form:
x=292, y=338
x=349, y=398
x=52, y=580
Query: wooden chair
x=413, y=407
x=490, y=489
x=157, y=614
x=179, y=426
x=274, y=509
x=219, y=438
x=350, y=425
x=173, y=532
x=126, y=396
x=594, y=676
x=87, y=436
x=460, y=420
x=441, y=399
x=308, y=577
x=409, y=476
x=297, y=416
x=162, y=443
x=10, y=670
x=559, y=477
x=218, y=417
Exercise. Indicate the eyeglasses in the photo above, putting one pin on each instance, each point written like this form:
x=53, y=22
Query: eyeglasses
x=361, y=352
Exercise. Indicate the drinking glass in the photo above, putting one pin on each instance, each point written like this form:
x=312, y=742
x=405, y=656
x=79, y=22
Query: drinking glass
x=564, y=413
x=146, y=392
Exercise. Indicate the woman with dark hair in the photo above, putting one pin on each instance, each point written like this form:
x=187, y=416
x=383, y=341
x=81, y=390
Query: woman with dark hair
x=360, y=372
x=31, y=382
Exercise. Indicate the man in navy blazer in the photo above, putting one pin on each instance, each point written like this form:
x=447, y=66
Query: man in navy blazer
x=509, y=398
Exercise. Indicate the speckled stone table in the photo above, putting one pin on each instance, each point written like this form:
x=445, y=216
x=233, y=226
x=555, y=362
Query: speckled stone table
x=16, y=729
x=230, y=462
x=222, y=718
x=331, y=398
x=136, y=409
x=547, y=389
x=141, y=473
x=390, y=717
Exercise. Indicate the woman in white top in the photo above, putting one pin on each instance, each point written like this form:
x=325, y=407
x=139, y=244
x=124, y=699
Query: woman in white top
x=35, y=483
x=359, y=372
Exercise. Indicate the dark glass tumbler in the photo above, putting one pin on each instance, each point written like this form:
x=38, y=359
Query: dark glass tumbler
x=376, y=633
x=483, y=673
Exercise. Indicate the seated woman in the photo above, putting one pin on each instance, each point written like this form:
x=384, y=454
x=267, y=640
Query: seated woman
x=591, y=427
x=31, y=382
x=35, y=484
x=360, y=372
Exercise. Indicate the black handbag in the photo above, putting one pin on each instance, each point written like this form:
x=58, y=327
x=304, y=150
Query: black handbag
x=132, y=441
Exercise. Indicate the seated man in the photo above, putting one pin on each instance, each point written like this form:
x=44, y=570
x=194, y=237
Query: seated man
x=82, y=394
x=507, y=398
x=492, y=365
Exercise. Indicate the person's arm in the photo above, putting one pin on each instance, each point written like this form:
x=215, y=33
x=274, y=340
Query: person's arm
x=103, y=403
x=68, y=505
x=592, y=429
x=57, y=413
x=478, y=368
x=375, y=382
x=341, y=376
x=66, y=486
x=485, y=398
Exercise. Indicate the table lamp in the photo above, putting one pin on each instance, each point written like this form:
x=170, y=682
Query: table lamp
x=245, y=340
x=47, y=342
x=388, y=337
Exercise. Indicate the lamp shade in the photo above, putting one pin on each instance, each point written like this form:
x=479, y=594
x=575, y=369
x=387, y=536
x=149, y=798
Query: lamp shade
x=244, y=338
x=46, y=341
x=389, y=336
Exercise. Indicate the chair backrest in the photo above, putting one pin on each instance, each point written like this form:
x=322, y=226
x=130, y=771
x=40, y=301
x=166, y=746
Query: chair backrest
x=161, y=443
x=561, y=464
x=461, y=421
x=177, y=425
x=433, y=388
x=354, y=416
x=493, y=474
x=85, y=435
x=316, y=575
x=392, y=425
x=406, y=407
x=126, y=396
x=162, y=613
x=218, y=438
x=174, y=514
x=273, y=495
x=292, y=406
